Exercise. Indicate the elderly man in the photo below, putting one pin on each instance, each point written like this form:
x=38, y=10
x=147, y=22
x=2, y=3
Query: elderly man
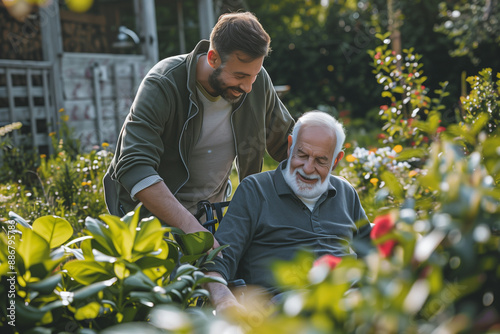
x=300, y=205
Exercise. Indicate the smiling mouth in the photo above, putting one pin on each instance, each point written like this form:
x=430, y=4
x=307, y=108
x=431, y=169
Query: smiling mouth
x=236, y=91
x=306, y=179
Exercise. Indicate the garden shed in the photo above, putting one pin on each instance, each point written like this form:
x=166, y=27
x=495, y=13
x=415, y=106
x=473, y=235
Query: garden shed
x=88, y=64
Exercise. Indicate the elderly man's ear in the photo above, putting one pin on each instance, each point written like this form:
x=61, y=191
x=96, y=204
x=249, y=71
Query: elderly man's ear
x=290, y=142
x=337, y=159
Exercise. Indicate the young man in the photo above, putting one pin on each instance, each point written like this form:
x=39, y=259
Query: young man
x=192, y=117
x=300, y=205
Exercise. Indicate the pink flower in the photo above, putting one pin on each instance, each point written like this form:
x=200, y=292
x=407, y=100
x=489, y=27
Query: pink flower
x=328, y=259
x=383, y=225
x=440, y=129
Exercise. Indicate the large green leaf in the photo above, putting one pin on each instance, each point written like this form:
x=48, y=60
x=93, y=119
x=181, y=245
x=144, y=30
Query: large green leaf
x=54, y=229
x=101, y=235
x=122, y=237
x=149, y=237
x=32, y=248
x=195, y=243
x=131, y=219
x=88, y=271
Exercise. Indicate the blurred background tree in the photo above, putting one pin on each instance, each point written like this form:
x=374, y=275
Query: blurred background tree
x=320, y=46
x=471, y=25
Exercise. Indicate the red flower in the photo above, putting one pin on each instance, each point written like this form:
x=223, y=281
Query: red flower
x=384, y=107
x=328, y=259
x=381, y=136
x=440, y=129
x=383, y=225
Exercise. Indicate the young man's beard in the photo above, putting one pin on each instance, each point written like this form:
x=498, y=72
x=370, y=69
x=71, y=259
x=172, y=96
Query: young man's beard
x=216, y=84
x=303, y=189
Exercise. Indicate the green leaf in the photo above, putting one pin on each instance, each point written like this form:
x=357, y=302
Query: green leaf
x=89, y=271
x=27, y=315
x=184, y=269
x=122, y=238
x=46, y=285
x=398, y=89
x=18, y=219
x=101, y=236
x=191, y=258
x=392, y=183
x=209, y=279
x=195, y=243
x=139, y=282
x=213, y=253
x=92, y=289
x=54, y=229
x=409, y=153
x=33, y=248
x=89, y=311
x=131, y=219
x=480, y=122
x=149, y=237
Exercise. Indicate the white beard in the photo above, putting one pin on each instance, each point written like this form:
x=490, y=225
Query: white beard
x=302, y=189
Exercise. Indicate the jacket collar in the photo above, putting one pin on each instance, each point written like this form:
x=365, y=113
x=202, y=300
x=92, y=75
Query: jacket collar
x=282, y=188
x=192, y=61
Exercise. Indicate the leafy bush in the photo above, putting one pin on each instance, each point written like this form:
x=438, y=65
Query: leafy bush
x=121, y=269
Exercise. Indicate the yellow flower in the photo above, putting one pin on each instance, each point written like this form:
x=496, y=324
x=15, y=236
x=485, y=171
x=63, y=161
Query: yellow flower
x=350, y=158
x=43, y=156
x=65, y=118
x=61, y=110
x=347, y=145
x=374, y=181
x=412, y=173
x=73, y=203
x=52, y=134
x=105, y=145
x=398, y=148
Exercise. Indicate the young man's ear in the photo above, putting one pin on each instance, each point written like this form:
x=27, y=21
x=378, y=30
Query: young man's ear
x=290, y=142
x=213, y=58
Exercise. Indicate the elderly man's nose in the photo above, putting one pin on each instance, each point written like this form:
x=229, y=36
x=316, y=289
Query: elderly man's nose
x=308, y=167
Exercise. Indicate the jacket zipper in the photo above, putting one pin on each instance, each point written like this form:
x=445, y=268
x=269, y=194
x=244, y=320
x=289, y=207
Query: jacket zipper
x=180, y=149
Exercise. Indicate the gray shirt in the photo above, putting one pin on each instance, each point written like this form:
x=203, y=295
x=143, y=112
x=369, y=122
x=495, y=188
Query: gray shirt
x=266, y=222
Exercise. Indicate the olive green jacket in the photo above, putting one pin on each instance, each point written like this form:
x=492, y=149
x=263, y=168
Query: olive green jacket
x=165, y=122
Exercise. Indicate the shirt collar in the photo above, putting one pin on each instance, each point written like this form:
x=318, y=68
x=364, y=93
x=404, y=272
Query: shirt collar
x=282, y=188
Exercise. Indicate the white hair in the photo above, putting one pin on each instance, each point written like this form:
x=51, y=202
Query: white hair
x=317, y=117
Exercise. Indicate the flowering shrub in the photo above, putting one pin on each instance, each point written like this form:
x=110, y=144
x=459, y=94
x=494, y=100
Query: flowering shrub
x=403, y=81
x=369, y=164
x=371, y=170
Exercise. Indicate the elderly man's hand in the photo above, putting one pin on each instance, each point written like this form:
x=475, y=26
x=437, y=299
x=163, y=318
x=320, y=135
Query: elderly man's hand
x=230, y=306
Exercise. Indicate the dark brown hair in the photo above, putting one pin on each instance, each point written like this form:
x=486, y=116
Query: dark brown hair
x=240, y=32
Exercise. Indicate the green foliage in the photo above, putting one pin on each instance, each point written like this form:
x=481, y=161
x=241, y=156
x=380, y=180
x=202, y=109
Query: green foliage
x=115, y=272
x=18, y=161
x=469, y=24
x=402, y=79
x=66, y=187
x=484, y=98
